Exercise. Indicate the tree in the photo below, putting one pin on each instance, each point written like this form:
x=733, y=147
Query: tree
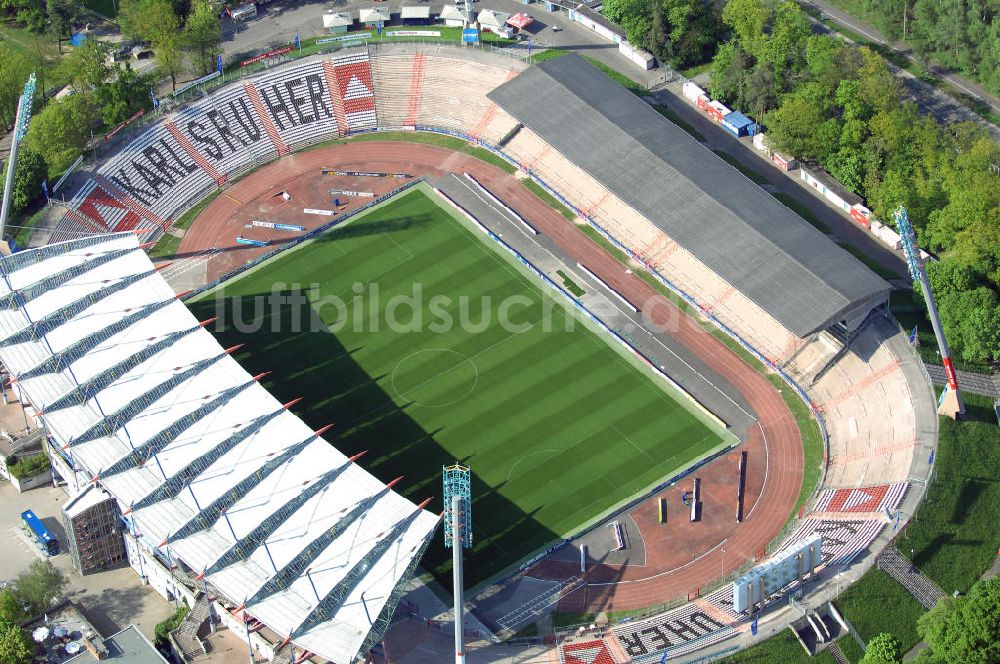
x=123, y=96
x=11, y=608
x=13, y=74
x=203, y=35
x=86, y=67
x=40, y=585
x=154, y=21
x=882, y=649
x=794, y=126
x=632, y=15
x=725, y=78
x=965, y=630
x=63, y=14
x=62, y=130
x=15, y=644
x=748, y=18
x=31, y=170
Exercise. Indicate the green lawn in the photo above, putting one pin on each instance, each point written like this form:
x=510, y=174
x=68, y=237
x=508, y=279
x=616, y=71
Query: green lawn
x=782, y=648
x=955, y=535
x=558, y=425
x=812, y=439
x=741, y=167
x=167, y=245
x=878, y=603
x=801, y=210
x=872, y=264
x=549, y=199
x=679, y=121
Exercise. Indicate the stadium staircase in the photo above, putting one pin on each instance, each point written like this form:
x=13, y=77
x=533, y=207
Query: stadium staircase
x=272, y=132
x=336, y=96
x=923, y=589
x=838, y=656
x=531, y=610
x=186, y=634
x=182, y=140
x=416, y=84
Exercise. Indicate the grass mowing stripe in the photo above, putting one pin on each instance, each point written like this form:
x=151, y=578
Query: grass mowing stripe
x=535, y=425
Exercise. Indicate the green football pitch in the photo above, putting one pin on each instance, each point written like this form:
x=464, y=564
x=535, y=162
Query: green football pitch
x=557, y=422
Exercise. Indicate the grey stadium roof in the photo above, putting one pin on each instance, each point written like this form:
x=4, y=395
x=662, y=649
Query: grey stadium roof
x=791, y=270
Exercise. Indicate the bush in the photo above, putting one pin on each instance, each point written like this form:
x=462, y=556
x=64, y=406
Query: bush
x=29, y=466
x=164, y=628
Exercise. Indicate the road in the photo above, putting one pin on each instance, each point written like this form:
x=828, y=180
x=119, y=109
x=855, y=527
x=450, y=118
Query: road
x=278, y=22
x=941, y=105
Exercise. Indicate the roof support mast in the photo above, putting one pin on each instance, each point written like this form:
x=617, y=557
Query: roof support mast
x=950, y=403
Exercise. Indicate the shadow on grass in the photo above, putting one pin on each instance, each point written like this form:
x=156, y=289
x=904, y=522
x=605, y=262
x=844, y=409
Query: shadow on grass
x=317, y=366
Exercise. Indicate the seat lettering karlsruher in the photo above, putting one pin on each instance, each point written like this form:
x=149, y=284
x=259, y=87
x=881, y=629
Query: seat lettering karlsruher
x=158, y=168
x=249, y=134
x=648, y=637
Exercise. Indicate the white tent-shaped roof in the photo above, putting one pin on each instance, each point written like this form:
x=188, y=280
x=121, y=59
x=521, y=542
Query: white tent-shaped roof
x=490, y=19
x=374, y=15
x=140, y=399
x=337, y=19
x=452, y=13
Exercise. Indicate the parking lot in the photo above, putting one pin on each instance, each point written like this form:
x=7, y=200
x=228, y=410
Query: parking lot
x=110, y=600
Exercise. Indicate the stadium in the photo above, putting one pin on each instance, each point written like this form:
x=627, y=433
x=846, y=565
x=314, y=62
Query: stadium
x=643, y=442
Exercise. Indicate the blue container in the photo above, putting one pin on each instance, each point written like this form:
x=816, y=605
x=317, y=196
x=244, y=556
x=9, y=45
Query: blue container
x=738, y=124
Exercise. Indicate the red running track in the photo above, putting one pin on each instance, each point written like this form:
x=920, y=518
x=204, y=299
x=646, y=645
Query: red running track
x=680, y=557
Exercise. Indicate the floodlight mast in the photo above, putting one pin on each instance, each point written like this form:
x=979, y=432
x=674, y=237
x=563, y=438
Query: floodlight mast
x=458, y=536
x=20, y=129
x=950, y=403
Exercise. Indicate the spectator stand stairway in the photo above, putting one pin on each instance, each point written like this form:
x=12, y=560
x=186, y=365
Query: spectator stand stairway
x=922, y=588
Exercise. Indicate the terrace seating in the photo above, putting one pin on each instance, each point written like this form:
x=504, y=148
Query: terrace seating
x=230, y=108
x=843, y=539
x=396, y=87
x=869, y=415
x=586, y=652
x=654, y=247
x=174, y=186
x=454, y=97
x=354, y=93
x=277, y=88
x=681, y=630
x=878, y=499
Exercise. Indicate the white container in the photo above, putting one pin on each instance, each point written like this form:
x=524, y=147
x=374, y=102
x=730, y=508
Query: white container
x=890, y=238
x=637, y=55
x=760, y=142
x=691, y=92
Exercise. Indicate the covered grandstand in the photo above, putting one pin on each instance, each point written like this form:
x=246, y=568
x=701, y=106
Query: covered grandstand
x=748, y=264
x=213, y=476
x=729, y=223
